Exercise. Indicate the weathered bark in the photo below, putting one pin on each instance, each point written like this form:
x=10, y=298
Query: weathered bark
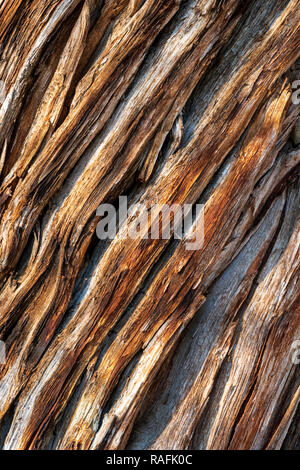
x=173, y=102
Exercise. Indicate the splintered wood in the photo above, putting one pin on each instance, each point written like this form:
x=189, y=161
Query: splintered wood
x=139, y=342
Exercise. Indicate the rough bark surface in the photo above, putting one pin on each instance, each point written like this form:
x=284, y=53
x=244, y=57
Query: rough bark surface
x=140, y=343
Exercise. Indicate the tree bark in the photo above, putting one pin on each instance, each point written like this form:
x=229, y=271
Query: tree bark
x=140, y=343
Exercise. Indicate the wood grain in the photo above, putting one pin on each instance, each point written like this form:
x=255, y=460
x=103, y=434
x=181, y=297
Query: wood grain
x=169, y=102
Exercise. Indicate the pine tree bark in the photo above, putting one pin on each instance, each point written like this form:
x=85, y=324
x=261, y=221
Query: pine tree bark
x=140, y=343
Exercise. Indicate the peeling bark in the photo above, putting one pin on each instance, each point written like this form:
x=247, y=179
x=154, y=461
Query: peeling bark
x=173, y=102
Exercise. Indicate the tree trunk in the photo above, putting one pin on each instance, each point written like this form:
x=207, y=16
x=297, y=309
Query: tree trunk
x=139, y=342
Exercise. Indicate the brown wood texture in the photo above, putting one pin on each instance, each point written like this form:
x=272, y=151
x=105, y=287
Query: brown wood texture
x=139, y=343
